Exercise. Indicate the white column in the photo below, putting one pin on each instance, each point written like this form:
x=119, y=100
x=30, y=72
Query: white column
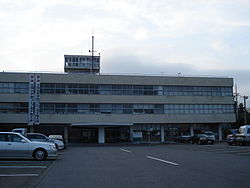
x=162, y=134
x=191, y=130
x=131, y=133
x=220, y=132
x=101, y=135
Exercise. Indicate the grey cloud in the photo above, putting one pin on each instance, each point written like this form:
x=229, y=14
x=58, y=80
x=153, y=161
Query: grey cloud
x=133, y=64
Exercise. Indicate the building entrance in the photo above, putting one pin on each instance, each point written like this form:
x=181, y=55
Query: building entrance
x=83, y=135
x=117, y=134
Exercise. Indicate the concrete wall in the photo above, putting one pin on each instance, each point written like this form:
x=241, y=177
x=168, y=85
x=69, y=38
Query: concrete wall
x=120, y=118
x=119, y=79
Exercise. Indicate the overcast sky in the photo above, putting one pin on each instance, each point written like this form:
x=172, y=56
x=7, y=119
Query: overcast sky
x=191, y=37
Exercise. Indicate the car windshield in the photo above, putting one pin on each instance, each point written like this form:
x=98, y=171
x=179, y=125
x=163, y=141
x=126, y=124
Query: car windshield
x=26, y=137
x=209, y=134
x=202, y=135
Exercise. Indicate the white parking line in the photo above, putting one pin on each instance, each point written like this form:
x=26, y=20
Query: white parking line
x=43, y=167
x=126, y=150
x=17, y=175
x=23, y=161
x=157, y=159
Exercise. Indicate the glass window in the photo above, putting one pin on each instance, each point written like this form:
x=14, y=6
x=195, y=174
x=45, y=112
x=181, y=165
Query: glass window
x=117, y=90
x=148, y=90
x=47, y=88
x=48, y=108
x=3, y=137
x=73, y=88
x=127, y=90
x=60, y=88
x=138, y=90
x=14, y=138
x=72, y=108
x=21, y=87
x=158, y=90
x=106, y=108
x=60, y=108
x=83, y=108
x=117, y=108
x=159, y=109
x=106, y=90
x=127, y=108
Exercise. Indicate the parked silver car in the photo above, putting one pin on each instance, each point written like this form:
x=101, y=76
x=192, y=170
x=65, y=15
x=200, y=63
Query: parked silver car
x=42, y=138
x=16, y=145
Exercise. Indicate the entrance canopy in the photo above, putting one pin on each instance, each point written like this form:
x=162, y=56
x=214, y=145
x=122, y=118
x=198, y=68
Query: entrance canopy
x=101, y=124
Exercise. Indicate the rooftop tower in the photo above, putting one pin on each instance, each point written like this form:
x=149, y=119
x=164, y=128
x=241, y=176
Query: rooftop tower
x=87, y=64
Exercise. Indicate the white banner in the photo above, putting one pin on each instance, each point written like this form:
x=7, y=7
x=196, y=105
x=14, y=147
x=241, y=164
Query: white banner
x=31, y=99
x=37, y=99
x=34, y=99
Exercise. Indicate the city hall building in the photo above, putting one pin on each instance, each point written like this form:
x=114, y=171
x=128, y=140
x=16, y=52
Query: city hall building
x=86, y=106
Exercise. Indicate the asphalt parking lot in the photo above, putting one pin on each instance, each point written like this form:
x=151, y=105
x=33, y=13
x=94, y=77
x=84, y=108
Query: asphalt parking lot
x=135, y=166
x=20, y=173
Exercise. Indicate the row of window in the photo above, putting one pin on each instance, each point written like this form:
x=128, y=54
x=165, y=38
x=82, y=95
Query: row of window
x=104, y=89
x=81, y=59
x=93, y=108
x=83, y=65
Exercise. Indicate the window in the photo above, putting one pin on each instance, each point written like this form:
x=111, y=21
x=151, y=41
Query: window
x=148, y=90
x=127, y=108
x=60, y=88
x=72, y=108
x=14, y=138
x=60, y=108
x=138, y=90
x=117, y=90
x=117, y=108
x=106, y=108
x=106, y=90
x=21, y=88
x=3, y=137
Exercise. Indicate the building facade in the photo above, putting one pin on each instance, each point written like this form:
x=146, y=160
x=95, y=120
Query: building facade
x=109, y=108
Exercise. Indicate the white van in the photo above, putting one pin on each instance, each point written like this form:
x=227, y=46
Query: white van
x=22, y=131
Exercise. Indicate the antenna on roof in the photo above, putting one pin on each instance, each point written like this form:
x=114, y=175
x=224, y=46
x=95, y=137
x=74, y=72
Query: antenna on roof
x=92, y=52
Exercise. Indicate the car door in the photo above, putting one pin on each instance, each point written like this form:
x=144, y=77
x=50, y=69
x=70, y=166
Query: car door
x=3, y=144
x=16, y=147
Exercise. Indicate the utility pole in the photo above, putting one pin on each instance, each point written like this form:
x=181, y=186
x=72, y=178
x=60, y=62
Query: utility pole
x=236, y=105
x=245, y=109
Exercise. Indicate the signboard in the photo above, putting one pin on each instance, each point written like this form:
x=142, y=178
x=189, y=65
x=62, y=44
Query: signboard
x=37, y=100
x=137, y=136
x=31, y=99
x=34, y=100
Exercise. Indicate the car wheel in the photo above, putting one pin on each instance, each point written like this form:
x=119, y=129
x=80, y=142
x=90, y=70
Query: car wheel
x=230, y=143
x=199, y=142
x=40, y=154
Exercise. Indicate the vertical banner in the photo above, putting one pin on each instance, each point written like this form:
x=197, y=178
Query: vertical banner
x=31, y=99
x=37, y=99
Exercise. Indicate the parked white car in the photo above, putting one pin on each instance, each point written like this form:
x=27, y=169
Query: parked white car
x=42, y=138
x=14, y=144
